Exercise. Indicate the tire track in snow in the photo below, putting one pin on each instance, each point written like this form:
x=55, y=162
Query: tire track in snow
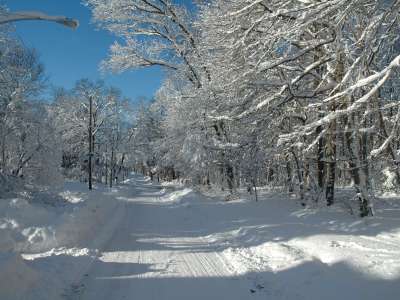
x=148, y=259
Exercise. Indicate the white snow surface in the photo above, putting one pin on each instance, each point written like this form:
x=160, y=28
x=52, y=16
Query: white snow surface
x=149, y=241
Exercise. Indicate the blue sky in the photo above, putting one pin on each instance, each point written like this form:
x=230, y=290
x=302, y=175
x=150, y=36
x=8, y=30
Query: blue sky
x=69, y=55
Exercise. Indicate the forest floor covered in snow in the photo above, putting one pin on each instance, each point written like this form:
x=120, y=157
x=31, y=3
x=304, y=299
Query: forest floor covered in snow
x=148, y=241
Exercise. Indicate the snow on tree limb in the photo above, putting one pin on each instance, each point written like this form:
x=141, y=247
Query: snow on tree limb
x=356, y=105
x=33, y=15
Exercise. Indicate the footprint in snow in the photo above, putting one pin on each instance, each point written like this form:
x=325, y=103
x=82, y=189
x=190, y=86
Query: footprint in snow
x=336, y=244
x=74, y=291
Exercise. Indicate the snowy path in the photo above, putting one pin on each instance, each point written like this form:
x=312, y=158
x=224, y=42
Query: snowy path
x=143, y=241
x=156, y=253
x=176, y=244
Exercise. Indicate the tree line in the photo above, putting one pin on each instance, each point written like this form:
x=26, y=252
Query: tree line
x=297, y=94
x=81, y=133
x=300, y=95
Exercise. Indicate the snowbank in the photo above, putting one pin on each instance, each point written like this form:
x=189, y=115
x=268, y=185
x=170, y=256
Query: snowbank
x=174, y=196
x=67, y=224
x=24, y=226
x=16, y=278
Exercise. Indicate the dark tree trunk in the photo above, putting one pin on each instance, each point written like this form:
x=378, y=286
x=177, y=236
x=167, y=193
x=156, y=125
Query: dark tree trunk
x=289, y=176
x=320, y=160
x=112, y=168
x=255, y=189
x=300, y=177
x=229, y=176
x=90, y=142
x=355, y=170
x=331, y=165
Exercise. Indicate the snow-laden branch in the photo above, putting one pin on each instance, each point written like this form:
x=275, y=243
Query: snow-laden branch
x=33, y=15
x=384, y=74
x=376, y=152
x=334, y=115
x=126, y=57
x=267, y=66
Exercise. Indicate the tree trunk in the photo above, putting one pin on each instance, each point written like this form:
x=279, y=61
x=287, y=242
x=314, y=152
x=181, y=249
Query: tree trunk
x=106, y=172
x=255, y=189
x=3, y=156
x=229, y=176
x=390, y=149
x=299, y=176
x=90, y=143
x=289, y=177
x=111, y=168
x=330, y=155
x=358, y=178
x=320, y=162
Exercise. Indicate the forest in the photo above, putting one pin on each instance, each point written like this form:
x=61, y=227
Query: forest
x=299, y=95
x=265, y=166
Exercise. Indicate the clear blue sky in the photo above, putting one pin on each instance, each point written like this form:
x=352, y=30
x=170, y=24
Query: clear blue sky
x=69, y=55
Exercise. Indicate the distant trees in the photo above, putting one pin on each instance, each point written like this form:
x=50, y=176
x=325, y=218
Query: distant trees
x=84, y=130
x=92, y=122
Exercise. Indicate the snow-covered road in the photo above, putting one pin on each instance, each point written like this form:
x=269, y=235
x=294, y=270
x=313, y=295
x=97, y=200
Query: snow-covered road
x=144, y=241
x=157, y=253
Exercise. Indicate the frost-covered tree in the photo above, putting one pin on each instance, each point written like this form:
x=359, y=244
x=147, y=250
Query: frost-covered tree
x=299, y=94
x=308, y=68
x=92, y=121
x=153, y=33
x=29, y=146
x=28, y=143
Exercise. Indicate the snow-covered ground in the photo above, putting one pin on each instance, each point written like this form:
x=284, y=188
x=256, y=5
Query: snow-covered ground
x=47, y=239
x=145, y=241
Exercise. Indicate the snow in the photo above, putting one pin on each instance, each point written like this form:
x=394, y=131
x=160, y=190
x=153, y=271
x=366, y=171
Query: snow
x=163, y=241
x=16, y=278
x=47, y=229
x=35, y=15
